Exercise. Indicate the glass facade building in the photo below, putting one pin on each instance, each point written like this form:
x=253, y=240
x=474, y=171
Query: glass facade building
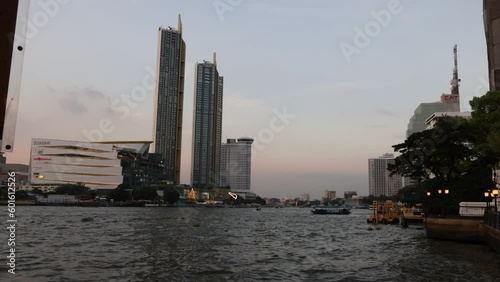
x=207, y=125
x=169, y=99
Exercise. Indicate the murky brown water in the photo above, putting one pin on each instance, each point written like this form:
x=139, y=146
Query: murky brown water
x=202, y=244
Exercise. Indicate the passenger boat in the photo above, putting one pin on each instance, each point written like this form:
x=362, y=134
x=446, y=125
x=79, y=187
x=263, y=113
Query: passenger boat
x=413, y=215
x=330, y=210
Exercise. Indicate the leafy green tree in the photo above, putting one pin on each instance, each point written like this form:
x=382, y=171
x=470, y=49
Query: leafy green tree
x=444, y=152
x=119, y=195
x=124, y=186
x=486, y=117
x=368, y=200
x=260, y=201
x=170, y=195
x=315, y=202
x=72, y=189
x=145, y=193
x=457, y=154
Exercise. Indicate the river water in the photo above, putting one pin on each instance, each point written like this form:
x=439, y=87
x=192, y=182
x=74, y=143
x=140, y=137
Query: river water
x=204, y=244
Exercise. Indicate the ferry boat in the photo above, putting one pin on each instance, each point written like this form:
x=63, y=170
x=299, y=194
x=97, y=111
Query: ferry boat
x=412, y=215
x=330, y=210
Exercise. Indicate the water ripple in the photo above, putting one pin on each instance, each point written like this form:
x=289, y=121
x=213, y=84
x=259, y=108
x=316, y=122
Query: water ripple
x=191, y=244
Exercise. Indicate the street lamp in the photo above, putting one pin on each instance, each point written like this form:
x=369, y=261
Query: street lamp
x=441, y=192
x=428, y=193
x=495, y=194
x=487, y=196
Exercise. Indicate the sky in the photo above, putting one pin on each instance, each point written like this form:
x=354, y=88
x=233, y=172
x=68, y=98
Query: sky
x=322, y=86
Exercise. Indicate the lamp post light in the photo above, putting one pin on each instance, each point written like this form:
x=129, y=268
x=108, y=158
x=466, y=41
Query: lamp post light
x=426, y=211
x=443, y=192
x=495, y=194
x=487, y=196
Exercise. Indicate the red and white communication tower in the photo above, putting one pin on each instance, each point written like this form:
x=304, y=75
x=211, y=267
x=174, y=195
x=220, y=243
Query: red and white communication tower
x=455, y=81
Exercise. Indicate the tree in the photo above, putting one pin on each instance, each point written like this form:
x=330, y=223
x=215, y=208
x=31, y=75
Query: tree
x=170, y=195
x=486, y=117
x=260, y=201
x=124, y=186
x=119, y=194
x=443, y=152
x=145, y=193
x=457, y=154
x=72, y=189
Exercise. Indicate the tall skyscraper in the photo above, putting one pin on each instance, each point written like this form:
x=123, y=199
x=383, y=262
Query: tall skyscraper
x=379, y=181
x=491, y=14
x=207, y=125
x=236, y=164
x=169, y=99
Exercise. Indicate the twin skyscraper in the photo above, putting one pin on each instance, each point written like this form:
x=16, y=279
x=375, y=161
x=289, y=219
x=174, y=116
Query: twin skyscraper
x=169, y=104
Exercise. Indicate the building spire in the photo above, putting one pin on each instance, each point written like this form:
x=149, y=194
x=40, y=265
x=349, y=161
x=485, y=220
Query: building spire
x=179, y=24
x=215, y=59
x=455, y=81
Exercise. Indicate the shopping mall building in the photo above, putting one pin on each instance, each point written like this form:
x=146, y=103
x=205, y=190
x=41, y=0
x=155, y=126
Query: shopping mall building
x=98, y=165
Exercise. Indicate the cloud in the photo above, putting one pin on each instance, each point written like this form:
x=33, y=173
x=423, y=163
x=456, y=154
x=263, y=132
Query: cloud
x=92, y=93
x=79, y=101
x=237, y=101
x=341, y=88
x=385, y=112
x=73, y=104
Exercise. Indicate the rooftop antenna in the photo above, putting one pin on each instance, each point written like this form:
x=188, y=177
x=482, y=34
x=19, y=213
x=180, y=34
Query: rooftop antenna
x=179, y=24
x=455, y=81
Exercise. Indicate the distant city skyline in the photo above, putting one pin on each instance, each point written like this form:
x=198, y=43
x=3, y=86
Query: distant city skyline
x=316, y=116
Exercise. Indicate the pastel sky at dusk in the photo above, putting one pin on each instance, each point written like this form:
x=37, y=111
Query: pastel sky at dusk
x=274, y=55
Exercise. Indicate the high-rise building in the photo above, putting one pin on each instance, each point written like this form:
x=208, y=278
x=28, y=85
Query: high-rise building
x=330, y=195
x=207, y=125
x=236, y=164
x=491, y=14
x=422, y=112
x=169, y=99
x=379, y=181
x=305, y=197
x=350, y=194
